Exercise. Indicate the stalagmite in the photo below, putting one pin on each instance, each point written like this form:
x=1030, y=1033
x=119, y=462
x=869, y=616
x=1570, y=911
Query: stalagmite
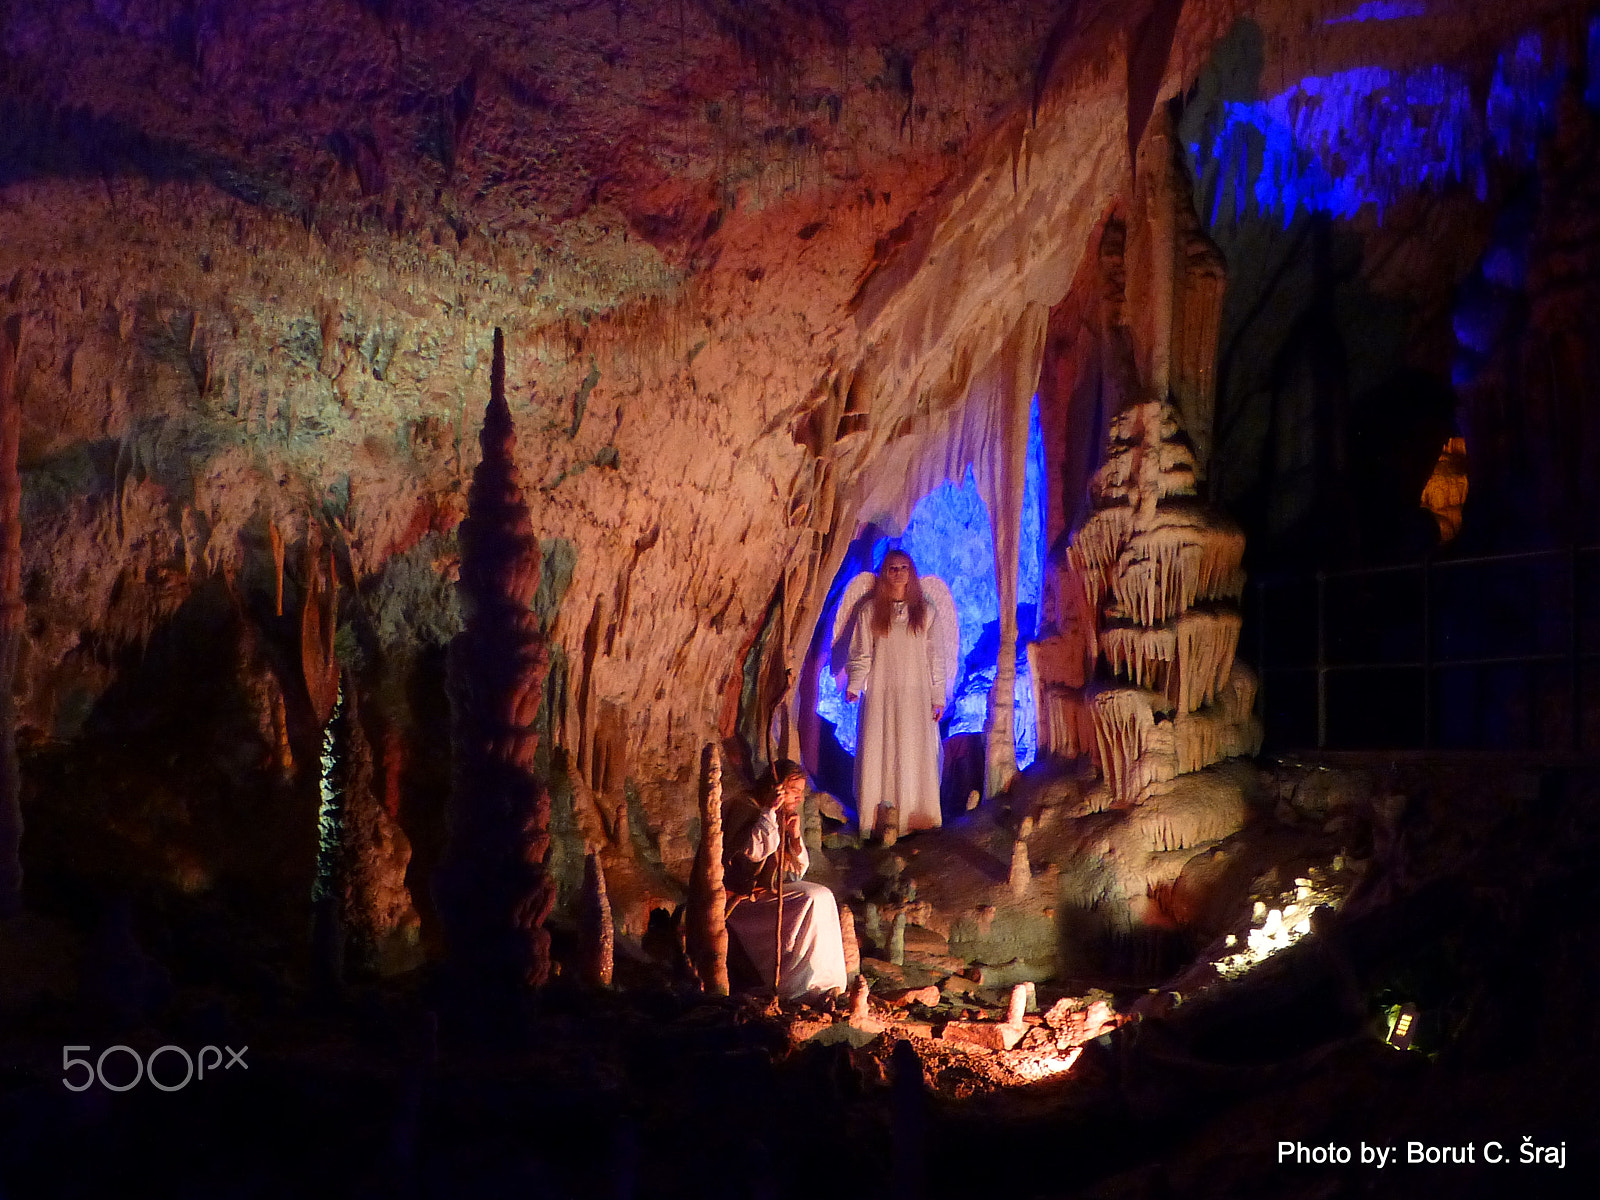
x=897, y=940
x=596, y=933
x=1160, y=574
x=706, y=931
x=1017, y=1007
x=1021, y=874
x=874, y=930
x=493, y=890
x=373, y=854
x=860, y=989
x=888, y=825
x=11, y=620
x=852, y=948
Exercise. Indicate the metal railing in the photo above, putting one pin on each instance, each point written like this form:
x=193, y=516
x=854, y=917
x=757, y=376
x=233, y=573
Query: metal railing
x=1437, y=577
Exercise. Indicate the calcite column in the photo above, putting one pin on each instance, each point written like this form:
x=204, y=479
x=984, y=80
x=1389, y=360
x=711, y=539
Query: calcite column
x=1018, y=376
x=11, y=617
x=493, y=888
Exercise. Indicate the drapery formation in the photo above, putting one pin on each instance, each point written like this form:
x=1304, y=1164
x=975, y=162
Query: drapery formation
x=989, y=433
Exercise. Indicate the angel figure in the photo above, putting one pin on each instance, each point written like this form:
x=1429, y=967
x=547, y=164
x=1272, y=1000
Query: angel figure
x=904, y=641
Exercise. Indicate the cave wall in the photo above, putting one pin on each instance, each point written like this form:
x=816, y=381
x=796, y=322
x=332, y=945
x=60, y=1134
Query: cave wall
x=1376, y=219
x=766, y=272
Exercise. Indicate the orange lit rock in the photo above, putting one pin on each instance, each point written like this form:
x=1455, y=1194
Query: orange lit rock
x=1445, y=493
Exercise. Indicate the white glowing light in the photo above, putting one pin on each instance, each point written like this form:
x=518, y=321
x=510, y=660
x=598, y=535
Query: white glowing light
x=1043, y=1066
x=1276, y=929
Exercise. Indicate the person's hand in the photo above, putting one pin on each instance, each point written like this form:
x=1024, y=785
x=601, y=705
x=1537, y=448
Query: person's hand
x=791, y=826
x=938, y=710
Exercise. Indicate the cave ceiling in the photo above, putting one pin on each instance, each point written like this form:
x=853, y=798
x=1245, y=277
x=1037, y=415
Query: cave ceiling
x=753, y=261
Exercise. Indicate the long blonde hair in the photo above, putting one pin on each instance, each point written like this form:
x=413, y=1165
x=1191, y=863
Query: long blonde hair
x=883, y=607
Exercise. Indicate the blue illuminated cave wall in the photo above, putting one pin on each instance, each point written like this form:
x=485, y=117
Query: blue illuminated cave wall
x=1591, y=93
x=1370, y=135
x=1313, y=192
x=1380, y=10
x=949, y=536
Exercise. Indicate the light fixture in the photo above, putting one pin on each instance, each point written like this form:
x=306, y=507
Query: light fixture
x=1403, y=1027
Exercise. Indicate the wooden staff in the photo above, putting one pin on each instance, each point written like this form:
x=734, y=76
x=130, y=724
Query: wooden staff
x=781, y=635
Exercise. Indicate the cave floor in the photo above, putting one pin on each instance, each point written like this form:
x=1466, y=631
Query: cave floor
x=1479, y=909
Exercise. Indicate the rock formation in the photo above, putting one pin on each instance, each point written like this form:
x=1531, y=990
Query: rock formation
x=11, y=619
x=847, y=937
x=596, y=928
x=1141, y=621
x=1162, y=572
x=318, y=625
x=493, y=890
x=380, y=924
x=706, y=929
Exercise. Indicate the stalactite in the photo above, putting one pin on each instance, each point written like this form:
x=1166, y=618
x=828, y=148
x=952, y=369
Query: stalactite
x=596, y=930
x=275, y=539
x=493, y=889
x=1066, y=728
x=1124, y=721
x=1206, y=642
x=707, y=929
x=318, y=621
x=1140, y=655
x=12, y=613
x=283, y=751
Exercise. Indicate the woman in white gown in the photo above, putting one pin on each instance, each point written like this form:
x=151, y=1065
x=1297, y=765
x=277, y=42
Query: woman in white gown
x=812, y=947
x=895, y=664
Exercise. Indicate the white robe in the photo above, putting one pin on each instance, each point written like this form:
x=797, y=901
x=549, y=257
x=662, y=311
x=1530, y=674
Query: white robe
x=813, y=950
x=899, y=678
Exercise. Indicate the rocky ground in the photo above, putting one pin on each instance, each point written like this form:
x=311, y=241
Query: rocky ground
x=1457, y=888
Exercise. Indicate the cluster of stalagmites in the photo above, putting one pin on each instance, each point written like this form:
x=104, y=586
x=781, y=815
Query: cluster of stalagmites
x=1160, y=575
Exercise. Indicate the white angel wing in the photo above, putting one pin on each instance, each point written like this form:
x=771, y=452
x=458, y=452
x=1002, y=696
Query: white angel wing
x=946, y=631
x=844, y=619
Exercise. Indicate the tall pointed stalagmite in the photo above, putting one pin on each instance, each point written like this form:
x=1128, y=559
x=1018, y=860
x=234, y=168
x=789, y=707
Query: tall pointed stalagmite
x=494, y=891
x=11, y=614
x=707, y=932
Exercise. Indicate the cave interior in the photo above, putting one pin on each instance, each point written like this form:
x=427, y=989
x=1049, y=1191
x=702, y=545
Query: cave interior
x=438, y=439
